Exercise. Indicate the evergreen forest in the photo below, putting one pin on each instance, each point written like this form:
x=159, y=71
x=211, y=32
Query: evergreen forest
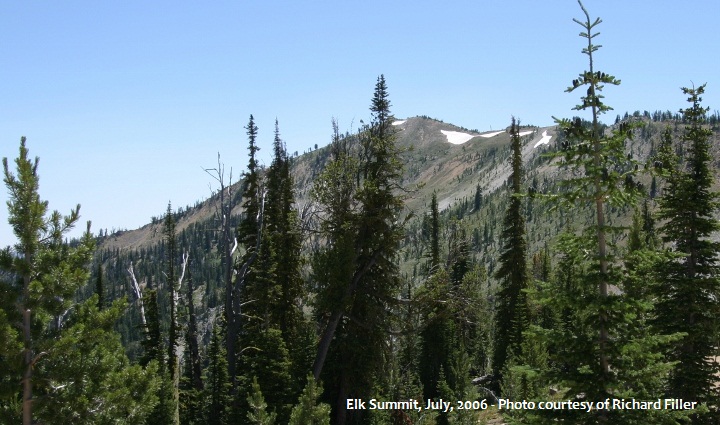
x=389, y=278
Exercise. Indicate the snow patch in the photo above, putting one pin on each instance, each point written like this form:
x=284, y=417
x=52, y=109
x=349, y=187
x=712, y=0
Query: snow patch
x=524, y=133
x=400, y=122
x=544, y=140
x=456, y=137
x=493, y=134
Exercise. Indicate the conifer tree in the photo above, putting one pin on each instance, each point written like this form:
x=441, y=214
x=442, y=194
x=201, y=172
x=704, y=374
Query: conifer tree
x=511, y=316
x=191, y=385
x=257, y=414
x=100, y=287
x=174, y=326
x=600, y=349
x=272, y=338
x=91, y=378
x=249, y=234
x=40, y=274
x=152, y=343
x=218, y=380
x=438, y=335
x=370, y=279
x=67, y=359
x=688, y=296
x=308, y=411
x=434, y=234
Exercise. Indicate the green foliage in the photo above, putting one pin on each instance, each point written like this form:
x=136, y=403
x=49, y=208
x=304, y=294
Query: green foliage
x=39, y=277
x=266, y=359
x=218, y=380
x=511, y=316
x=690, y=287
x=257, y=413
x=152, y=344
x=69, y=359
x=366, y=285
x=90, y=379
x=308, y=411
x=438, y=336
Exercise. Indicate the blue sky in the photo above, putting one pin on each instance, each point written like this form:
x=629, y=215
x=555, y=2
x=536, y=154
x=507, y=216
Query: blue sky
x=126, y=102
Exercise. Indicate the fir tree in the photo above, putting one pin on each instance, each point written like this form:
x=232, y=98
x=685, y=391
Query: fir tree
x=688, y=296
x=600, y=349
x=218, y=380
x=369, y=278
x=512, y=314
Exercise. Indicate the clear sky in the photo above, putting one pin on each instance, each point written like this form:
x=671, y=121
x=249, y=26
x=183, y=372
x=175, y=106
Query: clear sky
x=126, y=102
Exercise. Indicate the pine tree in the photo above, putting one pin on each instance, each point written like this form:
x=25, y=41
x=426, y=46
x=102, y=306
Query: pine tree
x=511, y=316
x=257, y=414
x=91, y=378
x=688, y=296
x=308, y=411
x=40, y=274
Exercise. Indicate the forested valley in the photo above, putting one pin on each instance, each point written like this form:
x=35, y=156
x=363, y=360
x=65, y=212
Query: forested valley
x=576, y=263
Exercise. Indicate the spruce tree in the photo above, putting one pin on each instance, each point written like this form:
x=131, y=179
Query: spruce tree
x=688, y=295
x=511, y=317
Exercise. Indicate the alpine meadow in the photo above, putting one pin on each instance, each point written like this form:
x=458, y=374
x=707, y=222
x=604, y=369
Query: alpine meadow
x=410, y=271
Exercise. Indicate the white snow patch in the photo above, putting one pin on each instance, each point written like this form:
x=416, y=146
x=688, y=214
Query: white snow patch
x=524, y=133
x=456, y=137
x=400, y=122
x=493, y=134
x=544, y=140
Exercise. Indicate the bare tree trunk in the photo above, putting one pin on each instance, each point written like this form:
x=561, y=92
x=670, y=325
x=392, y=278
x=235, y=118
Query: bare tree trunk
x=138, y=296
